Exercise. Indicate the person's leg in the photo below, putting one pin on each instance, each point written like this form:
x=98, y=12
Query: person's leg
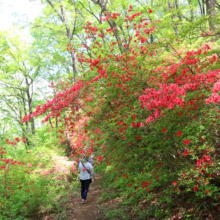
x=82, y=187
x=86, y=188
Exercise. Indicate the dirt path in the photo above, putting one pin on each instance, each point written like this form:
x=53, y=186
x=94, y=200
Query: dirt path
x=71, y=206
x=89, y=210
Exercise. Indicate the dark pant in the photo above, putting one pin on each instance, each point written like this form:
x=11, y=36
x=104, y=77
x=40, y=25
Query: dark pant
x=84, y=188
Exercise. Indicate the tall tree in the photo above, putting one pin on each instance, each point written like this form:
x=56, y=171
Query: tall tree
x=210, y=8
x=19, y=73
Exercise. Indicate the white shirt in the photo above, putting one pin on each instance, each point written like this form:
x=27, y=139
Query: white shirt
x=84, y=175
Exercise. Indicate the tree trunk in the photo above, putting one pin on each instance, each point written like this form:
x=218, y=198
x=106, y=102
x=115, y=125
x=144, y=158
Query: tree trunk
x=56, y=123
x=173, y=17
x=74, y=67
x=151, y=38
x=30, y=112
x=29, y=100
x=191, y=10
x=178, y=10
x=201, y=8
x=210, y=8
x=68, y=150
x=24, y=131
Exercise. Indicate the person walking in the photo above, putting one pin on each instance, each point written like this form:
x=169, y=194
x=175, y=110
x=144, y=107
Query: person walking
x=86, y=174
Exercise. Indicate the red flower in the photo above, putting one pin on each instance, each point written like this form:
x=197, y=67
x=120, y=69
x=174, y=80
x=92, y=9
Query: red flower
x=133, y=124
x=97, y=130
x=185, y=153
x=17, y=139
x=195, y=188
x=164, y=130
x=124, y=138
x=134, y=117
x=157, y=177
x=141, y=124
x=9, y=187
x=99, y=158
x=148, y=189
x=186, y=141
x=129, y=185
x=179, y=133
x=207, y=192
x=138, y=137
x=150, y=11
x=82, y=152
x=174, y=183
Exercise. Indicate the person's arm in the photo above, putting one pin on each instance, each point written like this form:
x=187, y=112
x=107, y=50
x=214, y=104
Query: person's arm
x=80, y=167
x=93, y=174
x=92, y=171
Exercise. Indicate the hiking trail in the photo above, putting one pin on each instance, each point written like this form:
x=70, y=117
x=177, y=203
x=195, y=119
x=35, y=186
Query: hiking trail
x=71, y=206
x=89, y=210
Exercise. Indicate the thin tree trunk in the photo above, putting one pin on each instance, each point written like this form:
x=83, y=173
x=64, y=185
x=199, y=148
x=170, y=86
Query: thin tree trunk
x=201, y=8
x=22, y=125
x=173, y=17
x=56, y=123
x=31, y=112
x=29, y=100
x=210, y=8
x=151, y=38
x=178, y=10
x=74, y=66
x=191, y=10
x=67, y=136
x=26, y=123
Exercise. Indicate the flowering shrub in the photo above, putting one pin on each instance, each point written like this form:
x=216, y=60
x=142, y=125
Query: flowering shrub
x=29, y=183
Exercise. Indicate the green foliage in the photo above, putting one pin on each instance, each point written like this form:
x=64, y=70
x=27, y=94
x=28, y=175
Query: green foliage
x=31, y=184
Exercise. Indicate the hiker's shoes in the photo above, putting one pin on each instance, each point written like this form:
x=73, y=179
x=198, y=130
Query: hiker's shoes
x=83, y=201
